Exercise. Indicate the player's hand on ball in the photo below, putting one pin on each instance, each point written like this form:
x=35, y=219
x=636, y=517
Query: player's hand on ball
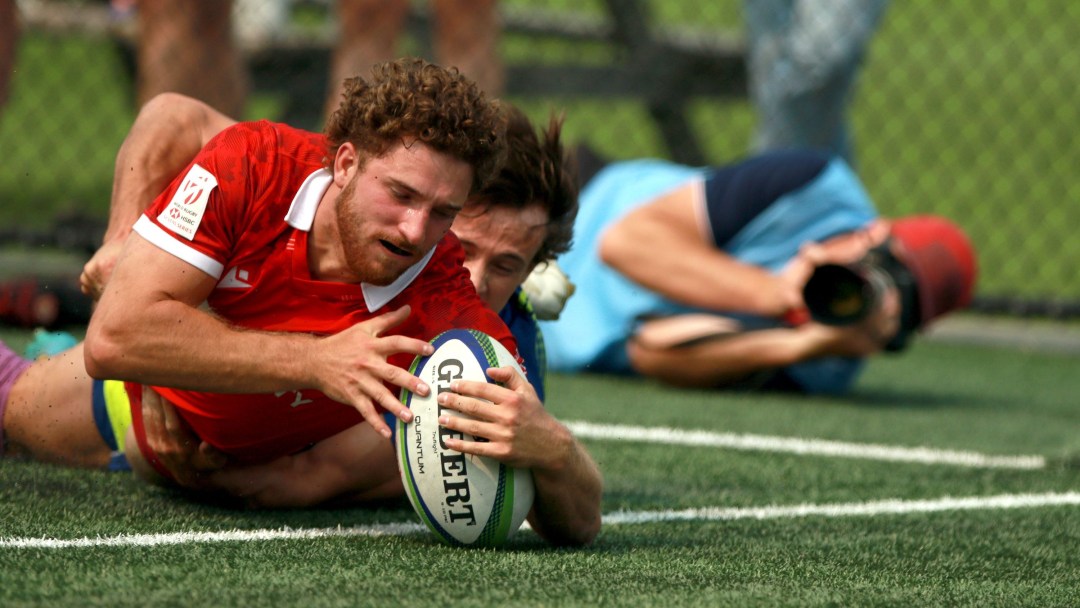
x=515, y=428
x=352, y=366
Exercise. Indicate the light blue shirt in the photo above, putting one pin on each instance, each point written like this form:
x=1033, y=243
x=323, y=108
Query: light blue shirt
x=591, y=332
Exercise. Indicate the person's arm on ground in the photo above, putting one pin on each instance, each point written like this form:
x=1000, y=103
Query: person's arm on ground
x=355, y=466
x=712, y=358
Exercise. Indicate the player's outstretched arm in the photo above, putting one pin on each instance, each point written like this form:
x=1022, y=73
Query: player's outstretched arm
x=168, y=132
x=148, y=329
x=352, y=367
x=353, y=467
x=356, y=466
x=521, y=433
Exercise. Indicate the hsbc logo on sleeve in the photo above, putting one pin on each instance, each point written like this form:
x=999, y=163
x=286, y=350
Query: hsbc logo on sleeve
x=185, y=210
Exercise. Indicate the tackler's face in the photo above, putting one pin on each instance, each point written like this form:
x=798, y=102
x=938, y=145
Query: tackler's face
x=500, y=246
x=395, y=208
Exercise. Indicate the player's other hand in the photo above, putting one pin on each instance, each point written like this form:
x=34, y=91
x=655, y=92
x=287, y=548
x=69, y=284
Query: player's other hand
x=179, y=450
x=352, y=368
x=99, y=268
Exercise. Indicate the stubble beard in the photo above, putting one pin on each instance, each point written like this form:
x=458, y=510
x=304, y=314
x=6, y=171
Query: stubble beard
x=353, y=241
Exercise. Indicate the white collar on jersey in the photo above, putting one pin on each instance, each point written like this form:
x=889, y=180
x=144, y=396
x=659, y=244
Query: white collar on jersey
x=301, y=216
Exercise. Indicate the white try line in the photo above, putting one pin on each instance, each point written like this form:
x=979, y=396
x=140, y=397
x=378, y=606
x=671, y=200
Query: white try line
x=880, y=507
x=795, y=445
x=184, y=538
x=863, y=509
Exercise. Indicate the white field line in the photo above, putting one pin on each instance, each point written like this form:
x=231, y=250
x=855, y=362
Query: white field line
x=856, y=509
x=183, y=538
x=863, y=509
x=795, y=445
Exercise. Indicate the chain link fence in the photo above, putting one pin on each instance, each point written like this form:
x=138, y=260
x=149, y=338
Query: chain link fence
x=966, y=108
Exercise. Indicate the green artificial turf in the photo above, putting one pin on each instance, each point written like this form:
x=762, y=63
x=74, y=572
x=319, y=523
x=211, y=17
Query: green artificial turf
x=995, y=401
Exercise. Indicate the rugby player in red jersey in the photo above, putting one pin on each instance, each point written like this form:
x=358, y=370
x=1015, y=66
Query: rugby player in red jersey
x=310, y=253
x=567, y=481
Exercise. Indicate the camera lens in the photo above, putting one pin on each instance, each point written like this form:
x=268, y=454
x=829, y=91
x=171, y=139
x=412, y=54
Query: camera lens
x=838, y=295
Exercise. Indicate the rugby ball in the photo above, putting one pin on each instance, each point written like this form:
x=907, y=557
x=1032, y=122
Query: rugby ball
x=466, y=500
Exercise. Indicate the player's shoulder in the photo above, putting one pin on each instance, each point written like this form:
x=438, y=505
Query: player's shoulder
x=255, y=128
x=267, y=136
x=448, y=259
x=442, y=287
x=247, y=131
x=518, y=316
x=290, y=134
x=519, y=307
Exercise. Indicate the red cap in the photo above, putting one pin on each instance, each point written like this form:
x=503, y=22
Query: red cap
x=941, y=258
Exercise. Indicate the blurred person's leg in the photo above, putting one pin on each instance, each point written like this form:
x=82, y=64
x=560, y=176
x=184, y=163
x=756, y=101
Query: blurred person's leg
x=803, y=60
x=258, y=22
x=9, y=40
x=466, y=34
x=187, y=46
x=369, y=34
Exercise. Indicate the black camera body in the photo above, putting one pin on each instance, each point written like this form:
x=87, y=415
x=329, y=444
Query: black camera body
x=844, y=294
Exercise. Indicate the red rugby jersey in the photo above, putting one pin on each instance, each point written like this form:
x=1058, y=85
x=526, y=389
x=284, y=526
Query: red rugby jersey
x=241, y=213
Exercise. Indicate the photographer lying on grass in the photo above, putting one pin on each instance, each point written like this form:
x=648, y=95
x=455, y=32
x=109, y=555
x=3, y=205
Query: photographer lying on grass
x=696, y=276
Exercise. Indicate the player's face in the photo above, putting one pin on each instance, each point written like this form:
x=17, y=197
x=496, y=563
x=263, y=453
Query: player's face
x=500, y=245
x=395, y=208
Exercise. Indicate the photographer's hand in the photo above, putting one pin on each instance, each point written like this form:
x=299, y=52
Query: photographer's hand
x=793, y=278
x=882, y=324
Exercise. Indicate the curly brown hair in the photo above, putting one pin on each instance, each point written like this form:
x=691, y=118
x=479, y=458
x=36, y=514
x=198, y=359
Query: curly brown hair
x=537, y=170
x=411, y=98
